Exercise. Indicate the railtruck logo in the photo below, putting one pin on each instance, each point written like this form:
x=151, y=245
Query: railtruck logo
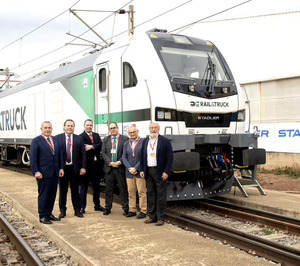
x=209, y=104
x=13, y=119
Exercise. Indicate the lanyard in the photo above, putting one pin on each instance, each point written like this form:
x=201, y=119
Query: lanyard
x=152, y=147
x=114, y=146
x=51, y=143
x=130, y=143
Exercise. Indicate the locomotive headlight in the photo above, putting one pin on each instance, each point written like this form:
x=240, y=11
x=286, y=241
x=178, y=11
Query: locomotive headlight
x=160, y=114
x=191, y=88
x=241, y=115
x=225, y=90
x=168, y=115
x=165, y=114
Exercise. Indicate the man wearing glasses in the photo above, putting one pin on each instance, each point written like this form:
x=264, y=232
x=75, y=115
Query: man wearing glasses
x=112, y=150
x=132, y=153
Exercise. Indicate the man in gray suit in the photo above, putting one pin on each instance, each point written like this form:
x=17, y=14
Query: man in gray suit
x=112, y=150
x=132, y=153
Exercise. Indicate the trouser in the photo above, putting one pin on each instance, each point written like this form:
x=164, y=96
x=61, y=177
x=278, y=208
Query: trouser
x=139, y=184
x=73, y=179
x=93, y=176
x=157, y=195
x=111, y=178
x=47, y=188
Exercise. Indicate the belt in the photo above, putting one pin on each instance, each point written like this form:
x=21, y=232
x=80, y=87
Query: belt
x=154, y=167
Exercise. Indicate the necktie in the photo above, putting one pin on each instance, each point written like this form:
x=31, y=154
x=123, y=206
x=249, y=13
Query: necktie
x=91, y=137
x=69, y=150
x=50, y=144
x=114, y=157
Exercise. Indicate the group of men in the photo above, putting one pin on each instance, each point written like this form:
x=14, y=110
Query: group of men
x=135, y=164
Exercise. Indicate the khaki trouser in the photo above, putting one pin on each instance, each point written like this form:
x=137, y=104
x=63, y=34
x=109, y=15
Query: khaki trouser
x=140, y=184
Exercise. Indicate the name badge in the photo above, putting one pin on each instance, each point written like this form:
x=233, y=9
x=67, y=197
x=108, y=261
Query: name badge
x=113, y=151
x=152, y=154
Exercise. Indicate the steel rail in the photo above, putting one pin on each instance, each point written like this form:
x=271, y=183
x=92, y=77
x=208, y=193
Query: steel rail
x=20, y=244
x=250, y=243
x=277, y=221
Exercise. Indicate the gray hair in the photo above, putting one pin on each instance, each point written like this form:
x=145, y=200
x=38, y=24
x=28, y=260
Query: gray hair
x=154, y=123
x=46, y=122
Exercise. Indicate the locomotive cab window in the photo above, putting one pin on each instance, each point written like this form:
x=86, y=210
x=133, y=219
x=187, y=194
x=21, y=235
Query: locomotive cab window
x=102, y=80
x=129, y=77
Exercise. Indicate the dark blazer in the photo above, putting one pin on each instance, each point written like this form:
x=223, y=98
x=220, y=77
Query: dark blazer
x=129, y=161
x=43, y=160
x=78, y=153
x=93, y=152
x=164, y=156
x=106, y=152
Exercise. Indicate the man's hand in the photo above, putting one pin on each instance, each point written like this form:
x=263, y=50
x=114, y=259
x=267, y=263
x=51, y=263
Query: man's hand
x=142, y=174
x=164, y=176
x=89, y=147
x=38, y=175
x=61, y=173
x=82, y=171
x=132, y=171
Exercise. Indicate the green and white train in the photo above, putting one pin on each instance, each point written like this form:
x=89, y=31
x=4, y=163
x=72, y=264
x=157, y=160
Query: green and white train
x=181, y=82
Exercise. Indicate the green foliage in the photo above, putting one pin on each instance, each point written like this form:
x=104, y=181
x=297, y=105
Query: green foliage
x=292, y=172
x=267, y=231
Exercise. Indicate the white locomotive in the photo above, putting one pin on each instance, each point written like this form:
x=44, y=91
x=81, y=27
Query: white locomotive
x=183, y=83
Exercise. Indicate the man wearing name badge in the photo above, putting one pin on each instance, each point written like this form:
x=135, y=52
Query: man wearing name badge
x=132, y=153
x=93, y=143
x=47, y=165
x=74, y=155
x=112, y=150
x=156, y=167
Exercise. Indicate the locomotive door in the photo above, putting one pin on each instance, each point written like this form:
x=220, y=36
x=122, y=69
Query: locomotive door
x=102, y=99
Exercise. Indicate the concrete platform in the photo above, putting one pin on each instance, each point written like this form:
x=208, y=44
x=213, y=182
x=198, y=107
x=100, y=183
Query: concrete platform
x=117, y=240
x=278, y=202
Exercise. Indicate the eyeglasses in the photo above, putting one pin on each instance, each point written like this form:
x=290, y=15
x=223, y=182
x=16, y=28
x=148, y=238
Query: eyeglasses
x=132, y=132
x=112, y=128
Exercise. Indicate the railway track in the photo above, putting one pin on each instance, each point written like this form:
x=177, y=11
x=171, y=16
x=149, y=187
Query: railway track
x=250, y=243
x=19, y=243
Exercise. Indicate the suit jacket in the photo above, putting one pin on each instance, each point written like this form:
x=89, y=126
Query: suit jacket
x=43, y=160
x=78, y=151
x=130, y=161
x=106, y=152
x=164, y=156
x=90, y=155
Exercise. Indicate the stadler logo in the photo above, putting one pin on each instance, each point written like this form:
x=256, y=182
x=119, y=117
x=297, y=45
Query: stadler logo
x=209, y=104
x=208, y=117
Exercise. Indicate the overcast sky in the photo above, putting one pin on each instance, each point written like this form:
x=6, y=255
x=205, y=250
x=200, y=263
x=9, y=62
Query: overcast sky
x=18, y=17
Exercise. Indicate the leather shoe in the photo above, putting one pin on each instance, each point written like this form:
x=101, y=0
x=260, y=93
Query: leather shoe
x=44, y=220
x=141, y=216
x=62, y=215
x=106, y=212
x=150, y=221
x=131, y=214
x=53, y=218
x=78, y=214
x=82, y=210
x=160, y=223
x=99, y=208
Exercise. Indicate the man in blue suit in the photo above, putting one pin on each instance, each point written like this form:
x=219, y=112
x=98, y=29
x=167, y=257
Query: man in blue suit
x=132, y=153
x=47, y=165
x=156, y=167
x=74, y=156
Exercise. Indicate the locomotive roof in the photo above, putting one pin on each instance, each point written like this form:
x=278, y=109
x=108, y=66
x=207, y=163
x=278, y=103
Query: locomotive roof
x=80, y=66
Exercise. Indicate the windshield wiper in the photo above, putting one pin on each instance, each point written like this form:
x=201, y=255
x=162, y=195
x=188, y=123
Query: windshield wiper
x=210, y=76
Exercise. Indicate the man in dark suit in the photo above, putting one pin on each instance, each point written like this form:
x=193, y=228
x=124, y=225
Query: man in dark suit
x=132, y=153
x=47, y=165
x=112, y=150
x=93, y=143
x=74, y=155
x=156, y=167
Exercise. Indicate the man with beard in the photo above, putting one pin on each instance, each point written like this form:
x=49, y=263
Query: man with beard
x=156, y=167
